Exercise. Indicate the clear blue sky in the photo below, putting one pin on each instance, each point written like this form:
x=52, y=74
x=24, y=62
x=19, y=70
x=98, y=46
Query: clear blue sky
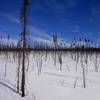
x=68, y=18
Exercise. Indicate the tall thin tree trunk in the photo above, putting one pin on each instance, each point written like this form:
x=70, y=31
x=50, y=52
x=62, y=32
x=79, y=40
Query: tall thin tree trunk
x=84, y=83
x=18, y=72
x=24, y=33
x=23, y=74
x=23, y=56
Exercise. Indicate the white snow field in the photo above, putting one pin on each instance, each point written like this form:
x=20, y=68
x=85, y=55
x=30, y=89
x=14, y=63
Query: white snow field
x=45, y=80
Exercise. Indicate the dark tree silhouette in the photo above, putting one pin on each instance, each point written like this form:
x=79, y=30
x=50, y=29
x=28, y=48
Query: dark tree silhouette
x=23, y=42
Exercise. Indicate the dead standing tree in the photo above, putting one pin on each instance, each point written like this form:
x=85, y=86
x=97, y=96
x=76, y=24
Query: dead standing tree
x=23, y=44
x=57, y=53
x=55, y=41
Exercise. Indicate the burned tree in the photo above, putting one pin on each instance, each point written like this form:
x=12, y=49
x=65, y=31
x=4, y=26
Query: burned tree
x=55, y=41
x=23, y=44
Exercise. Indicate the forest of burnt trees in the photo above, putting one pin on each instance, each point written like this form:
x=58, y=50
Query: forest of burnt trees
x=79, y=50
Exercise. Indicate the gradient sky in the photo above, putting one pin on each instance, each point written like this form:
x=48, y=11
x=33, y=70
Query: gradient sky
x=67, y=18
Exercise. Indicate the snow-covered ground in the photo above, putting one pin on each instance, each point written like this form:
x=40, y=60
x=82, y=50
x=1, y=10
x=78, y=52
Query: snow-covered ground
x=45, y=80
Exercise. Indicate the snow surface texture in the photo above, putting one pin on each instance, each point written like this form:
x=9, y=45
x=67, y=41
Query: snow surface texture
x=48, y=78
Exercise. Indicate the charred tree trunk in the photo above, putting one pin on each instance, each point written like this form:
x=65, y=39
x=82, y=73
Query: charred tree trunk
x=18, y=75
x=24, y=40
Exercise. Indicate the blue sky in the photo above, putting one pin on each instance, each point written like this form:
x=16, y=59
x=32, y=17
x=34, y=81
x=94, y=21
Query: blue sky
x=67, y=18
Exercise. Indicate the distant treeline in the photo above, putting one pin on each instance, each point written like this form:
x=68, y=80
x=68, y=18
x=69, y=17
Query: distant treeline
x=80, y=44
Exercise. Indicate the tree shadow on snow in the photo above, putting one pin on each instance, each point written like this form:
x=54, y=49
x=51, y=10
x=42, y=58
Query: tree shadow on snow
x=9, y=87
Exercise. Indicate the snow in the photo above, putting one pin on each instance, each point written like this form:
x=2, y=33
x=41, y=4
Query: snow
x=51, y=83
